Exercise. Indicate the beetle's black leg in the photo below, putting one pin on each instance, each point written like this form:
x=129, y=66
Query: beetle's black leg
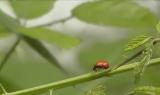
x=95, y=68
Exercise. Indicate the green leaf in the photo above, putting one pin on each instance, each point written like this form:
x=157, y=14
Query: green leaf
x=6, y=24
x=147, y=90
x=12, y=26
x=158, y=27
x=136, y=42
x=7, y=21
x=60, y=39
x=126, y=13
x=31, y=8
x=3, y=31
x=43, y=51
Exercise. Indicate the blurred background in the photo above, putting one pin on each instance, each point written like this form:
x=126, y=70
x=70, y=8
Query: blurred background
x=84, y=31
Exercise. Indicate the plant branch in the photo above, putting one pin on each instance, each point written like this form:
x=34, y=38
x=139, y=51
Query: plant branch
x=79, y=79
x=55, y=22
x=9, y=53
x=156, y=40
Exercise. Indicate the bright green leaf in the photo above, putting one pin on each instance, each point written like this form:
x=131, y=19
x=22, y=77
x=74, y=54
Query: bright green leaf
x=60, y=39
x=136, y=42
x=31, y=8
x=158, y=27
x=115, y=13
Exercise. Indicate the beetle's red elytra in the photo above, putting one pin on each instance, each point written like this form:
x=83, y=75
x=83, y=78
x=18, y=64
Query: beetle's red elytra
x=101, y=64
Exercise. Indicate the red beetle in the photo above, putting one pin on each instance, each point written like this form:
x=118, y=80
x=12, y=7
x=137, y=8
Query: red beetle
x=101, y=64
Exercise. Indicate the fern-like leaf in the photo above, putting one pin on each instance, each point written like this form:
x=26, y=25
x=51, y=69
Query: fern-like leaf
x=98, y=90
x=147, y=90
x=140, y=68
x=136, y=42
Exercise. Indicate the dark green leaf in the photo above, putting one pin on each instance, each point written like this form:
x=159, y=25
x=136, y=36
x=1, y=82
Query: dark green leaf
x=6, y=24
x=60, y=39
x=7, y=21
x=43, y=51
x=31, y=8
x=115, y=13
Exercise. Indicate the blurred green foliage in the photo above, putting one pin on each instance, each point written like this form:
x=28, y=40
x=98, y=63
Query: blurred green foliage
x=50, y=36
x=27, y=69
x=31, y=8
x=127, y=14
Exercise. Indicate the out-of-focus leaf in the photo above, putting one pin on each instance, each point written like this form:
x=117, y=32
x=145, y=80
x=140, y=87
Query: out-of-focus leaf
x=5, y=23
x=158, y=27
x=31, y=8
x=146, y=90
x=136, y=42
x=8, y=22
x=11, y=25
x=8, y=85
x=60, y=39
x=3, y=31
x=98, y=90
x=43, y=51
x=21, y=74
x=126, y=13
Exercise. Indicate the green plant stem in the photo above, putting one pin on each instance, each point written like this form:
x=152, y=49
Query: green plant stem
x=79, y=79
x=56, y=22
x=9, y=53
x=156, y=41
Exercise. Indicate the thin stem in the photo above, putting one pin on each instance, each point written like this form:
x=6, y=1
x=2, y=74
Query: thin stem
x=129, y=59
x=79, y=79
x=9, y=53
x=2, y=88
x=51, y=92
x=56, y=22
x=155, y=41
